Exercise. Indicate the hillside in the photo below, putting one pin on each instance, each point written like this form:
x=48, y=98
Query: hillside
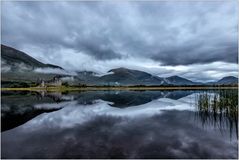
x=124, y=76
x=14, y=58
x=227, y=80
x=18, y=68
x=176, y=80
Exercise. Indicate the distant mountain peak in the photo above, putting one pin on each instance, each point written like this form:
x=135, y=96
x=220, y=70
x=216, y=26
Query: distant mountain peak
x=121, y=69
x=229, y=77
x=175, y=76
x=228, y=80
x=177, y=80
x=125, y=76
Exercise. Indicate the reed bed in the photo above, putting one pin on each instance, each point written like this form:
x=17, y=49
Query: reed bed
x=219, y=108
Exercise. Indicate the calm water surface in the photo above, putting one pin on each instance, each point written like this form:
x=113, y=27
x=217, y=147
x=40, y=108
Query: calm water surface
x=114, y=124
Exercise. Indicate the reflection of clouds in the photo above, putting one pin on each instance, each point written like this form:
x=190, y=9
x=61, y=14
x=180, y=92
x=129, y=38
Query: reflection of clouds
x=193, y=98
x=162, y=128
x=173, y=134
x=64, y=97
x=54, y=105
x=73, y=113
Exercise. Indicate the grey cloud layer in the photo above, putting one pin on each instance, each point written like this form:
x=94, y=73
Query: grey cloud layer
x=172, y=33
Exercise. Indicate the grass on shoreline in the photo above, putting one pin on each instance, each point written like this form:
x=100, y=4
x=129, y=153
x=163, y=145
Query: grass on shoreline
x=139, y=88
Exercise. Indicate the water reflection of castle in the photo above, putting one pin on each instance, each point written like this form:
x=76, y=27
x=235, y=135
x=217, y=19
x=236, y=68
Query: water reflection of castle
x=55, y=96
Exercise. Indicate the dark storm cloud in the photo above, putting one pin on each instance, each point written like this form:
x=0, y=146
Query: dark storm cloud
x=75, y=27
x=195, y=40
x=198, y=53
x=172, y=33
x=103, y=52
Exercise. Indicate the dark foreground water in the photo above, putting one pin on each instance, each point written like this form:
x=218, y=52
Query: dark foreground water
x=115, y=124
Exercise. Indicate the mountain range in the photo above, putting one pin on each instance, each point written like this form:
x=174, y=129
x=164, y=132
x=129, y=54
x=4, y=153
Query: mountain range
x=18, y=66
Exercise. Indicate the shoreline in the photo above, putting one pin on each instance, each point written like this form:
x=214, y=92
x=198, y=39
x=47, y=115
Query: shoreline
x=131, y=88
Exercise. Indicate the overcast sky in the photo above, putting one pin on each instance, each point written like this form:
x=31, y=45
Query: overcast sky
x=196, y=40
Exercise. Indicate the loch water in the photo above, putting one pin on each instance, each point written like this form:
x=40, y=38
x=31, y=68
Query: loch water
x=119, y=124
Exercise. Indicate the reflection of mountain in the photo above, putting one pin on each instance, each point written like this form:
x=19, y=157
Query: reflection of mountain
x=84, y=112
x=19, y=107
x=124, y=99
x=16, y=116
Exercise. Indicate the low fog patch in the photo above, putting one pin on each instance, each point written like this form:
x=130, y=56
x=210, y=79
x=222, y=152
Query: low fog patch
x=48, y=70
x=19, y=67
